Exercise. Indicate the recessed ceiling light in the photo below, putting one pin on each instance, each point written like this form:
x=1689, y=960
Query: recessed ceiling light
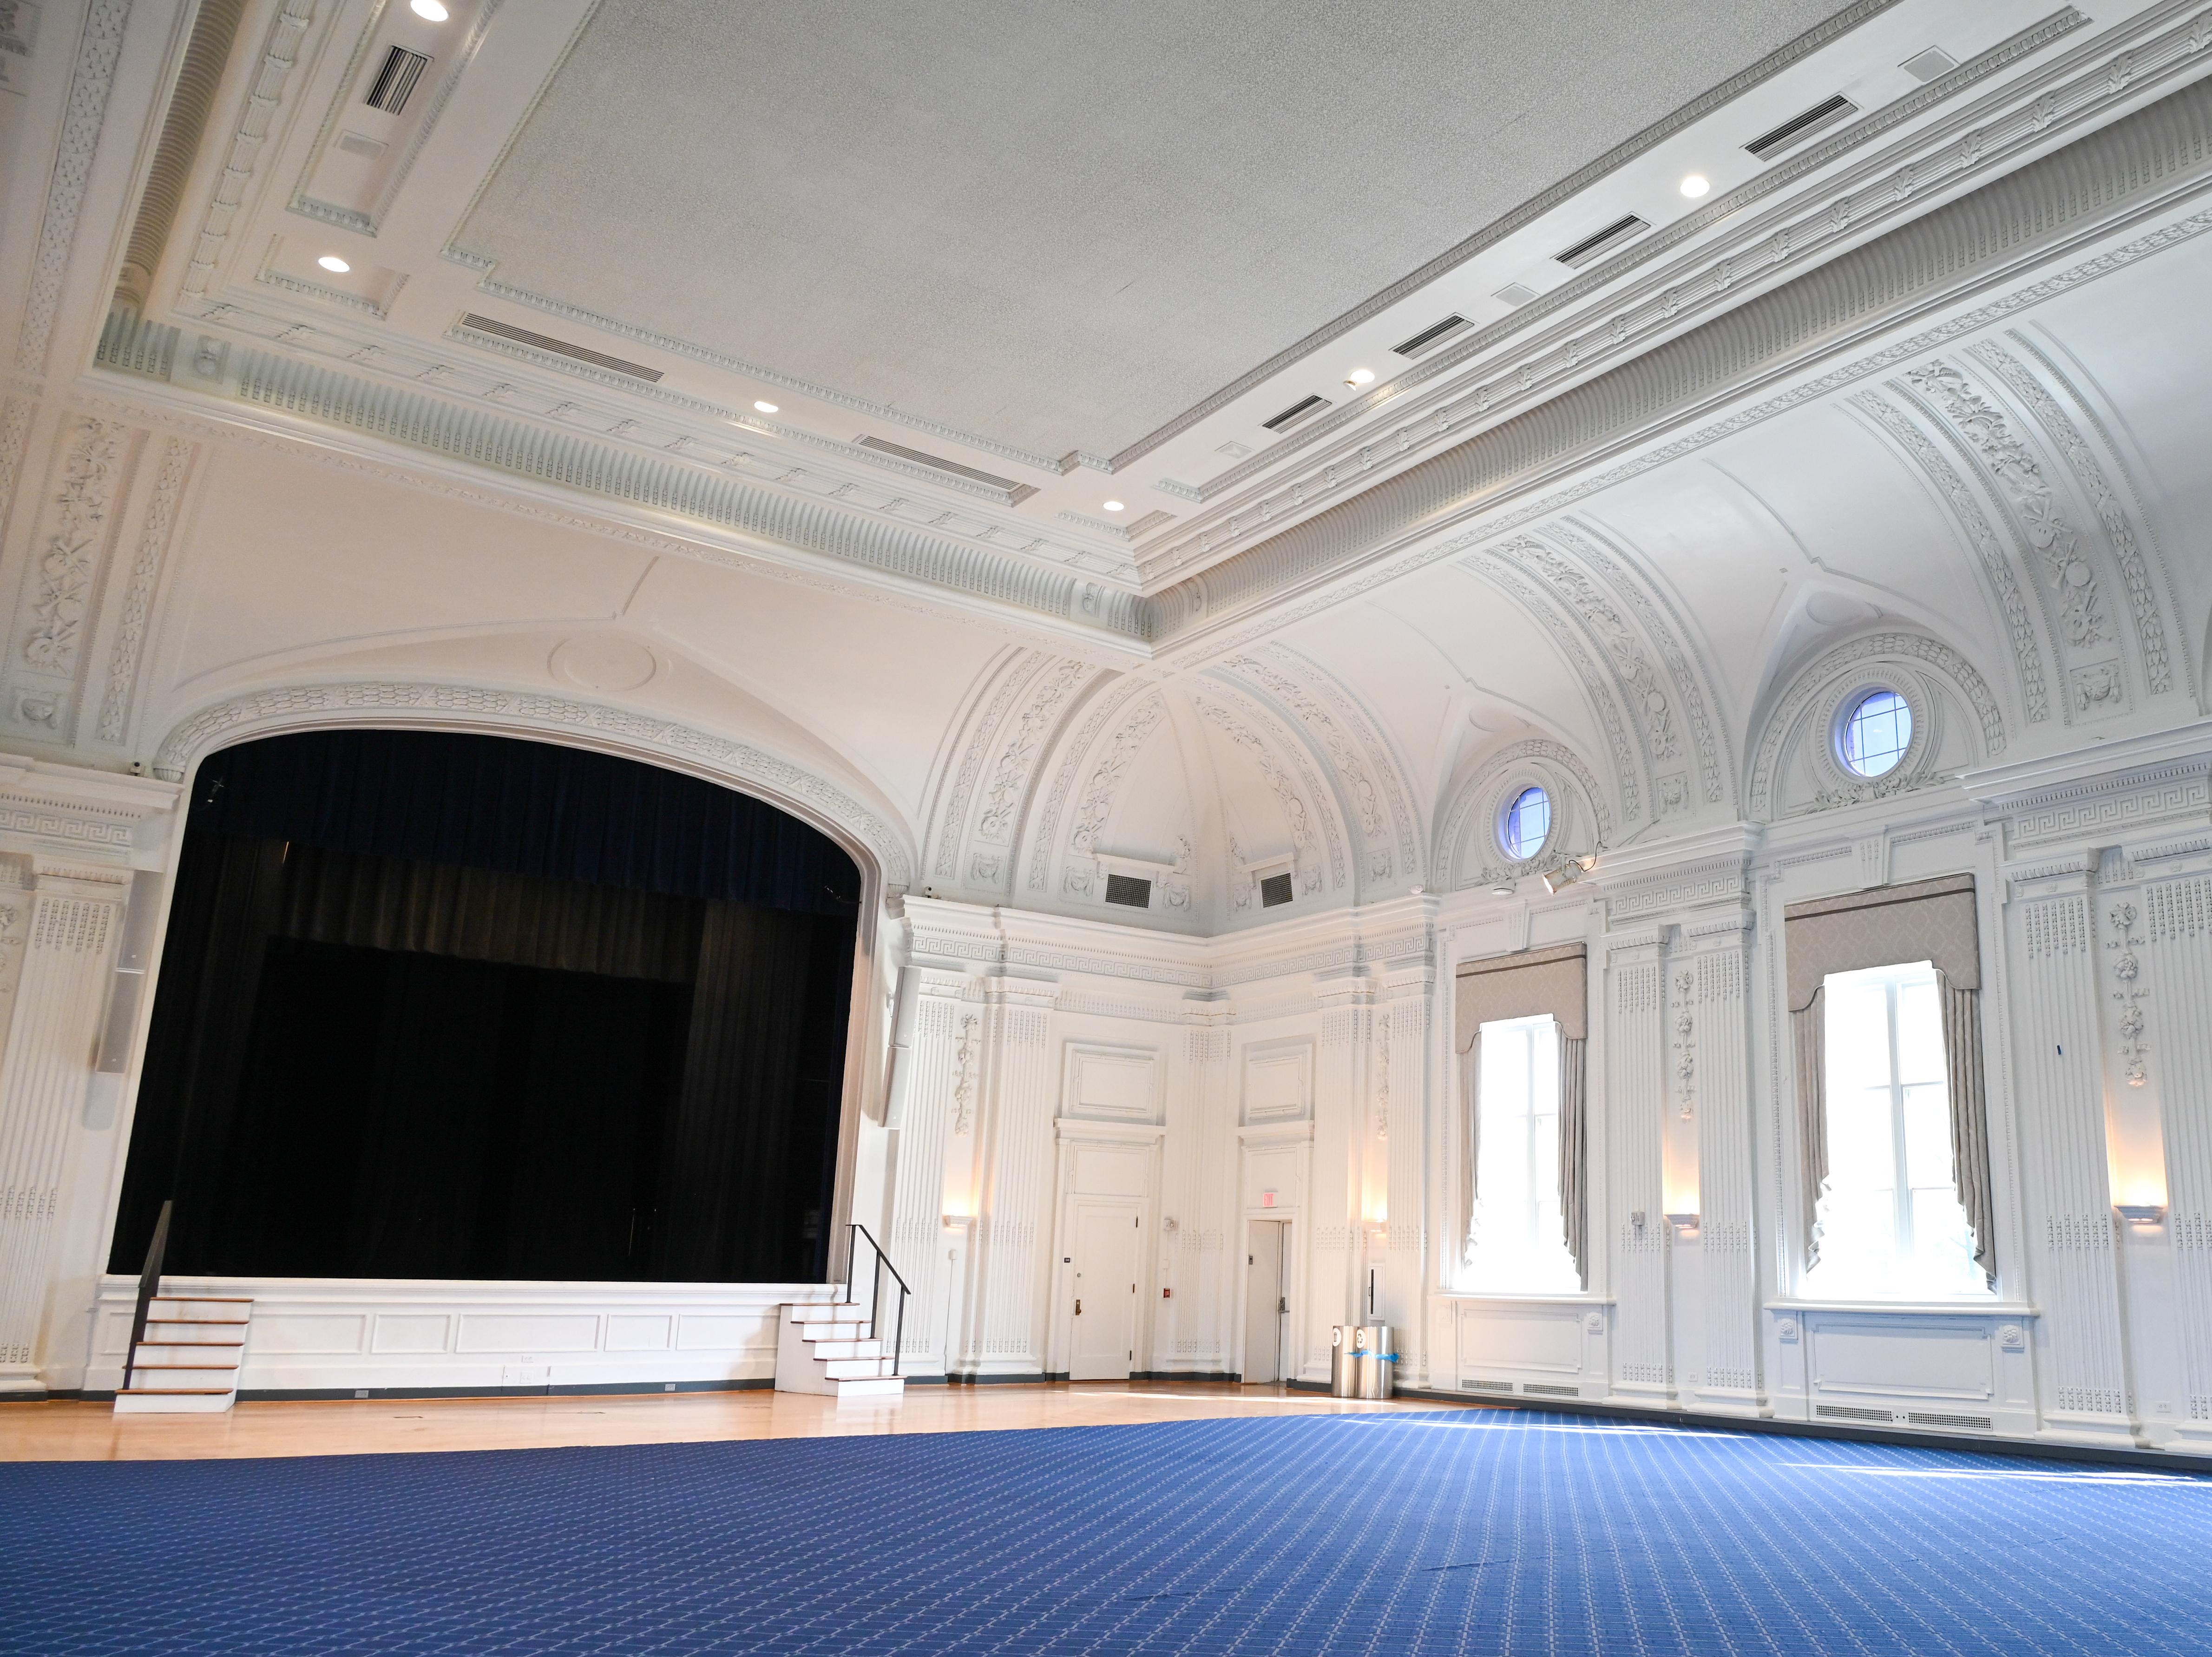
x=1360, y=377
x=1696, y=185
x=333, y=262
x=765, y=408
x=1113, y=506
x=429, y=10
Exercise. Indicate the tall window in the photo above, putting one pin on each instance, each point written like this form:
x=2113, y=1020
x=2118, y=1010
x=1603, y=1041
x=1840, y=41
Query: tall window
x=1890, y=1222
x=1519, y=1246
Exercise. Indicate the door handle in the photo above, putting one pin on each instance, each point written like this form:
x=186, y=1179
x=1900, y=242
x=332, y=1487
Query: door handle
x=1078, y=1308
x=1283, y=1305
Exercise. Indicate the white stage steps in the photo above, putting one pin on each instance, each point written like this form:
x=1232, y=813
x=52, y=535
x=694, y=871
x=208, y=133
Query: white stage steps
x=190, y=1358
x=825, y=1348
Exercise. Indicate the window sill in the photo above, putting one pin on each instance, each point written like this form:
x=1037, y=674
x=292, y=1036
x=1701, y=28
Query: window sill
x=1964, y=1305
x=1520, y=1300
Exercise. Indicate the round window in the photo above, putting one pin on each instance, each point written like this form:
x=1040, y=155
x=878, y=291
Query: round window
x=1876, y=733
x=1528, y=823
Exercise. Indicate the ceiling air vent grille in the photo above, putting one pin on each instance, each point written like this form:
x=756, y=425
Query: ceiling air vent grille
x=396, y=82
x=1297, y=413
x=1798, y=128
x=539, y=342
x=1435, y=334
x=936, y=463
x=1603, y=242
x=1516, y=294
x=1128, y=890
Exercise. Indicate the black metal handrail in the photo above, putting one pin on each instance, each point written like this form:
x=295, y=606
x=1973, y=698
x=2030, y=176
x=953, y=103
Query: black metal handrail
x=149, y=1285
x=876, y=1290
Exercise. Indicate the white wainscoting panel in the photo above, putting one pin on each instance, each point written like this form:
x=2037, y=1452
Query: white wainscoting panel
x=344, y=1336
x=1935, y=1368
x=1521, y=1345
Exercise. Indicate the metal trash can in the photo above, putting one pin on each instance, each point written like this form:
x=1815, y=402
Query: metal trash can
x=1360, y=1361
x=1373, y=1361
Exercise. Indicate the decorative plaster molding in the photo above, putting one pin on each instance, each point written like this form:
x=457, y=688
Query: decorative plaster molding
x=955, y=822
x=176, y=457
x=280, y=53
x=2072, y=596
x=1366, y=731
x=1952, y=238
x=2127, y=969
x=1727, y=243
x=1997, y=564
x=378, y=702
x=1010, y=777
x=2119, y=528
x=90, y=80
x=1694, y=885
x=1296, y=820
x=1485, y=786
x=60, y=584
x=1666, y=634
x=15, y=416
x=1501, y=565
x=1350, y=768
x=1783, y=725
x=1097, y=804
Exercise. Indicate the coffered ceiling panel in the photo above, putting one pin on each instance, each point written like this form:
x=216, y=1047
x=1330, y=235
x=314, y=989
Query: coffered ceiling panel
x=1057, y=227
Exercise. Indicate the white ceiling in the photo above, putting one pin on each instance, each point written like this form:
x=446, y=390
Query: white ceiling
x=1059, y=226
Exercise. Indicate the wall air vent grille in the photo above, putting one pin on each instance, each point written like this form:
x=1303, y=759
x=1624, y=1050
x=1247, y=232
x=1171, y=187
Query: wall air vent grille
x=1296, y=413
x=1435, y=334
x=396, y=82
x=1798, y=128
x=1850, y=1412
x=1465, y=1386
x=1602, y=242
x=1550, y=1391
x=937, y=464
x=1931, y=1418
x=1129, y=891
x=1275, y=890
x=539, y=342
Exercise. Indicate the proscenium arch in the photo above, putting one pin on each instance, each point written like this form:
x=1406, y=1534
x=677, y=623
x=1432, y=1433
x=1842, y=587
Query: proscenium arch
x=482, y=711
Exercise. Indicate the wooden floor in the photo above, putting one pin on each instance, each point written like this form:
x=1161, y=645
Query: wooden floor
x=67, y=1430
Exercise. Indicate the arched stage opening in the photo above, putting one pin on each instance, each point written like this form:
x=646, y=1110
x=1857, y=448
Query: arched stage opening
x=448, y=1005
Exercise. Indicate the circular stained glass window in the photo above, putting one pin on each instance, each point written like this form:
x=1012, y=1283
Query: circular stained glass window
x=1876, y=733
x=1527, y=822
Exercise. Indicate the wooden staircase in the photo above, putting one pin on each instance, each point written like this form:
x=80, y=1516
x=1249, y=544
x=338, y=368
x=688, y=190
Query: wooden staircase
x=189, y=1356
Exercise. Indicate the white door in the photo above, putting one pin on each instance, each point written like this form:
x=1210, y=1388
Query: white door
x=1267, y=1292
x=1105, y=1344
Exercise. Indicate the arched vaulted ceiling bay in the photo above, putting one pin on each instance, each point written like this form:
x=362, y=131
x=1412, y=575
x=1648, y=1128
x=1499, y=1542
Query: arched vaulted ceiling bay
x=1188, y=467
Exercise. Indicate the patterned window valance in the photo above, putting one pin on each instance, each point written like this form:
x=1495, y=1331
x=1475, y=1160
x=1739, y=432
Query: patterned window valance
x=1522, y=986
x=1929, y=920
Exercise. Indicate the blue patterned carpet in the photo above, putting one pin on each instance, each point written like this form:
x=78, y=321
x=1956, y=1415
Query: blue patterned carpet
x=1458, y=1532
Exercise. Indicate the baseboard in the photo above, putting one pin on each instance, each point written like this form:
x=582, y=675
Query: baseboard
x=1974, y=1444
x=968, y=1378
x=1185, y=1375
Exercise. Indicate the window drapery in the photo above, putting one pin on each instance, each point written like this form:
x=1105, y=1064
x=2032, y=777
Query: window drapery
x=1933, y=921
x=1541, y=981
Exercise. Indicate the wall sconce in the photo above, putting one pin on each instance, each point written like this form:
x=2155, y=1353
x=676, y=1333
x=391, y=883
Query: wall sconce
x=959, y=1219
x=2142, y=1214
x=1683, y=1222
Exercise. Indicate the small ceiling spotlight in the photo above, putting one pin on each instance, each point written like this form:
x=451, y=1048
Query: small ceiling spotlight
x=331, y=262
x=429, y=10
x=1115, y=506
x=1360, y=377
x=765, y=408
x=1696, y=185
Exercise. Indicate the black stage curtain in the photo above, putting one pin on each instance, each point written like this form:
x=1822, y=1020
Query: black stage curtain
x=368, y=1061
